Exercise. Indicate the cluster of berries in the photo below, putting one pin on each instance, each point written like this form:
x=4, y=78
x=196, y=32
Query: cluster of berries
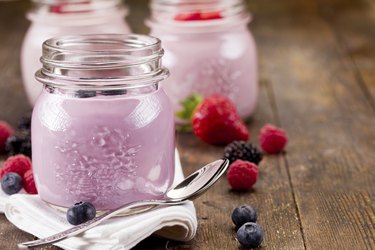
x=16, y=142
x=249, y=233
x=16, y=172
x=215, y=120
x=245, y=158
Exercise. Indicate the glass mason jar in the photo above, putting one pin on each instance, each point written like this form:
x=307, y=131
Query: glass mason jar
x=51, y=18
x=208, y=50
x=96, y=126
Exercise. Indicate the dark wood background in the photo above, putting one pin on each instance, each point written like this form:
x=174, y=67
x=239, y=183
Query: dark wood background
x=317, y=80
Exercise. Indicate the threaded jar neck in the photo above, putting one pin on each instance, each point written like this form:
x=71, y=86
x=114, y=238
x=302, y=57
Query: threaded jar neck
x=104, y=61
x=197, y=13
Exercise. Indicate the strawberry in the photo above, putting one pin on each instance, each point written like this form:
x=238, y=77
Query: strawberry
x=18, y=164
x=29, y=183
x=5, y=132
x=216, y=121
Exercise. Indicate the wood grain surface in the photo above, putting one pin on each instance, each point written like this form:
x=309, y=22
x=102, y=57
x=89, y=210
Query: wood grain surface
x=317, y=80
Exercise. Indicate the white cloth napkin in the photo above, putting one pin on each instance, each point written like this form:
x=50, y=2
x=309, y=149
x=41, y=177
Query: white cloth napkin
x=32, y=215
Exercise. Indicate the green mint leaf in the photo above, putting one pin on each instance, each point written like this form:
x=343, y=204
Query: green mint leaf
x=188, y=106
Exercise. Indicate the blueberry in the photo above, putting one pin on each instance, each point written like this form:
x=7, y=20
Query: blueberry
x=11, y=183
x=19, y=144
x=243, y=214
x=80, y=213
x=114, y=92
x=250, y=235
x=85, y=93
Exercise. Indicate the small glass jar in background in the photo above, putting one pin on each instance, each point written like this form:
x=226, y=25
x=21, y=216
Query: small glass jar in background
x=50, y=18
x=102, y=127
x=208, y=50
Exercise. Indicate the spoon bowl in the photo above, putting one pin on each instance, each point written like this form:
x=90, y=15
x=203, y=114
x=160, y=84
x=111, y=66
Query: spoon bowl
x=190, y=188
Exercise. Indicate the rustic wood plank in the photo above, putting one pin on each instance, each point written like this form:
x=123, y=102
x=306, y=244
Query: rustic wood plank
x=355, y=33
x=271, y=196
x=329, y=157
x=13, y=101
x=329, y=119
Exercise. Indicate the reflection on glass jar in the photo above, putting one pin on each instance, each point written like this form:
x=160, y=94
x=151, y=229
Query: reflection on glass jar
x=51, y=18
x=208, y=49
x=102, y=128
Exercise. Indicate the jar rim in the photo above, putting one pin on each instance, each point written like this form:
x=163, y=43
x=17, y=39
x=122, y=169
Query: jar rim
x=146, y=41
x=113, y=60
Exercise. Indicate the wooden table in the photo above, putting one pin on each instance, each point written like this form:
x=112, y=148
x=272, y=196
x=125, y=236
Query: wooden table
x=317, y=80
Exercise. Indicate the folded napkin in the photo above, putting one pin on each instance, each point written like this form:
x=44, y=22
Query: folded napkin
x=4, y=198
x=32, y=215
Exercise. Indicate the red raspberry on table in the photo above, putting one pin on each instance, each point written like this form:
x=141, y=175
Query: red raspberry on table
x=216, y=121
x=242, y=175
x=272, y=139
x=5, y=132
x=18, y=164
x=29, y=183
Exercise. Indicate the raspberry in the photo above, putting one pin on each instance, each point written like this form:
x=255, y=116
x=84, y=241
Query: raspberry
x=242, y=150
x=18, y=164
x=242, y=175
x=29, y=183
x=272, y=139
x=198, y=16
x=5, y=132
x=216, y=121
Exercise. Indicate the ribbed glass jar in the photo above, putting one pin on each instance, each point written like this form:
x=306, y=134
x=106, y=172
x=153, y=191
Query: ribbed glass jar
x=208, y=50
x=51, y=18
x=102, y=128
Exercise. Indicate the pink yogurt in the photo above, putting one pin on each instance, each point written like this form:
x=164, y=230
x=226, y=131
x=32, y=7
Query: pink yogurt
x=214, y=56
x=107, y=147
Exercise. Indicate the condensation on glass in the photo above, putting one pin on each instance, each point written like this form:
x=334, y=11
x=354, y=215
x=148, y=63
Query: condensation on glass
x=103, y=127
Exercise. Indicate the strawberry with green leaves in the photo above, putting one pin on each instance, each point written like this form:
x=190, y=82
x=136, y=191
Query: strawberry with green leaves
x=214, y=119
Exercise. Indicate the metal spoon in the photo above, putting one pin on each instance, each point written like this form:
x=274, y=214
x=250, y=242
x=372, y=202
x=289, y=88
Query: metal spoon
x=190, y=188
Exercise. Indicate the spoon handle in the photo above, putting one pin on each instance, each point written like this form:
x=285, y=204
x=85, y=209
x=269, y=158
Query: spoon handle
x=129, y=209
